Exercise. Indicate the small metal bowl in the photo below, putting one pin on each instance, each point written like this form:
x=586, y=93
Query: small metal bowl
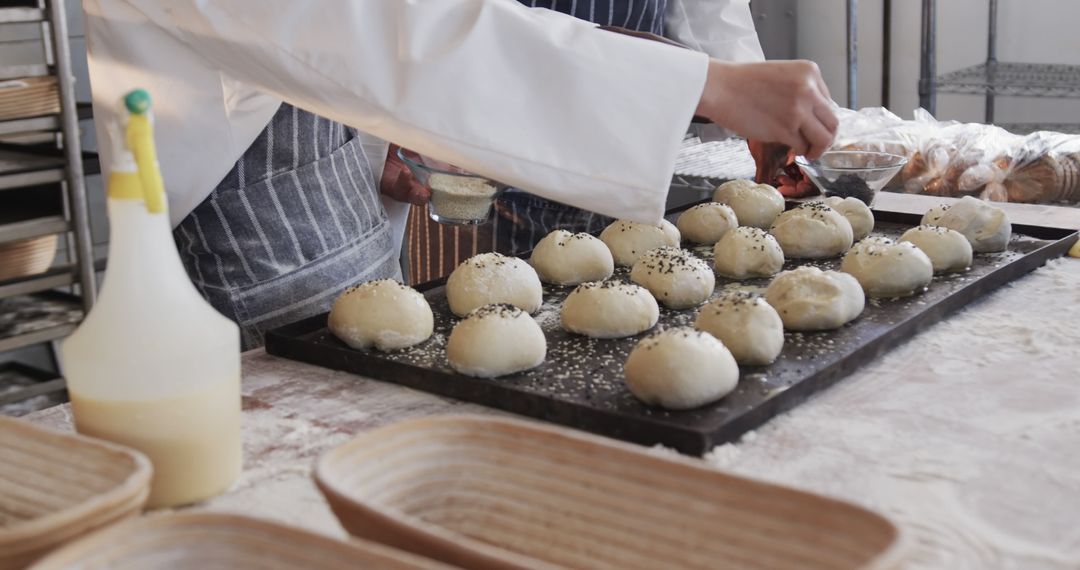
x=458, y=197
x=855, y=173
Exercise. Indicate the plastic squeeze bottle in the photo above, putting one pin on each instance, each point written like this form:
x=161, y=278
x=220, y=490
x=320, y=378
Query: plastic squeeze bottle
x=154, y=366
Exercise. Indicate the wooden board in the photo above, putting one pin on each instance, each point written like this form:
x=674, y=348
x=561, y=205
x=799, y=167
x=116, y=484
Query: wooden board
x=580, y=385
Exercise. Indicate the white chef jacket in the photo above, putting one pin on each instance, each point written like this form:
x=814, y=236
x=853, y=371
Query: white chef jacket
x=529, y=97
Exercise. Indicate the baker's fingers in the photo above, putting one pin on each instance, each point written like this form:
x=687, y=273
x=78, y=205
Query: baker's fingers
x=817, y=138
x=796, y=140
x=827, y=117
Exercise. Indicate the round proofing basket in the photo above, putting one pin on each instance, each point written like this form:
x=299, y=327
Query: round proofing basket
x=27, y=257
x=502, y=493
x=58, y=486
x=213, y=540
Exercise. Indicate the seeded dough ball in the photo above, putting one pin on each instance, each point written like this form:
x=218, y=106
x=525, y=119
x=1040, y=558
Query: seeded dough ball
x=888, y=269
x=812, y=231
x=933, y=215
x=676, y=277
x=747, y=252
x=747, y=325
x=609, y=309
x=564, y=258
x=985, y=226
x=809, y=299
x=630, y=240
x=680, y=368
x=706, y=223
x=384, y=314
x=856, y=211
x=947, y=249
x=496, y=340
x=755, y=205
x=491, y=278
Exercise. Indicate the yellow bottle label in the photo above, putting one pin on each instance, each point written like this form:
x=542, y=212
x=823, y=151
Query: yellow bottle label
x=125, y=186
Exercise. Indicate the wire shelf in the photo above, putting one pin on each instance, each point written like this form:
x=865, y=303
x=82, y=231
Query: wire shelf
x=1016, y=79
x=1028, y=128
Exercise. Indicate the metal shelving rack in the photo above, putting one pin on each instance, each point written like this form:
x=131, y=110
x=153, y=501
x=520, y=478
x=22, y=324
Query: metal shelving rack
x=27, y=167
x=993, y=78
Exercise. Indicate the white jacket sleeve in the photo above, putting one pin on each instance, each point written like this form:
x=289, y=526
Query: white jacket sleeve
x=531, y=98
x=724, y=29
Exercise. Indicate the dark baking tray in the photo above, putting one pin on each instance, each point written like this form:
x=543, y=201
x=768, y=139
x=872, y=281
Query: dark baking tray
x=580, y=384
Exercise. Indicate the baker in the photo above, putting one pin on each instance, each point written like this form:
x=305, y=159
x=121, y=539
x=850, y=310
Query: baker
x=273, y=197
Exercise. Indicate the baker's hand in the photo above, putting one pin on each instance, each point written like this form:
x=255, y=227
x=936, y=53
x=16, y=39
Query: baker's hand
x=785, y=102
x=398, y=182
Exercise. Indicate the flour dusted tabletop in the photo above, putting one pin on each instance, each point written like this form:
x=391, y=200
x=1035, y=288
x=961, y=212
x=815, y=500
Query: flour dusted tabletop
x=968, y=435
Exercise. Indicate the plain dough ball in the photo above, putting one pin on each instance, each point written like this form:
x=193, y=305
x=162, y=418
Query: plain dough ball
x=563, y=258
x=949, y=251
x=747, y=325
x=888, y=269
x=747, y=252
x=812, y=231
x=680, y=368
x=609, y=309
x=676, y=277
x=496, y=340
x=856, y=211
x=755, y=205
x=491, y=278
x=809, y=299
x=706, y=223
x=384, y=314
x=630, y=240
x=985, y=226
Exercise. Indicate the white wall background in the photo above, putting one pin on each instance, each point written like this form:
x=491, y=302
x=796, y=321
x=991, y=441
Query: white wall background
x=1039, y=31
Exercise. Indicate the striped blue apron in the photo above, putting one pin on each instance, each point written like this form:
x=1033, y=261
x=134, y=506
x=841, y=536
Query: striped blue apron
x=294, y=222
x=524, y=219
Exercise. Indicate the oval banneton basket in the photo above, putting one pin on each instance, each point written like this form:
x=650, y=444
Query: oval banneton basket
x=218, y=540
x=57, y=486
x=501, y=493
x=27, y=257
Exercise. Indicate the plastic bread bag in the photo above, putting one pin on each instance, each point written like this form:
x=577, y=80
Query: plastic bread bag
x=1045, y=168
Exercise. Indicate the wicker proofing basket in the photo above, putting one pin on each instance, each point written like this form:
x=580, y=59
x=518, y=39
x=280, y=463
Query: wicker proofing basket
x=26, y=257
x=57, y=486
x=501, y=493
x=211, y=540
x=29, y=97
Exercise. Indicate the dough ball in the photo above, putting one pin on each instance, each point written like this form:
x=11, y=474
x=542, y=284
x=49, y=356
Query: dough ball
x=384, y=314
x=680, y=368
x=888, y=269
x=676, y=277
x=809, y=299
x=609, y=309
x=933, y=215
x=812, y=231
x=630, y=240
x=563, y=258
x=747, y=252
x=985, y=226
x=747, y=325
x=856, y=211
x=706, y=223
x=949, y=251
x=755, y=205
x=491, y=278
x=496, y=340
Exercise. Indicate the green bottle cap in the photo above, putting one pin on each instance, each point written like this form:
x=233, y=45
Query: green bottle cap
x=137, y=102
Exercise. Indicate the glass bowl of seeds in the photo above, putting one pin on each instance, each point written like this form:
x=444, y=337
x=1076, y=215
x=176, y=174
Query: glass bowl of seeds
x=855, y=173
x=458, y=197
